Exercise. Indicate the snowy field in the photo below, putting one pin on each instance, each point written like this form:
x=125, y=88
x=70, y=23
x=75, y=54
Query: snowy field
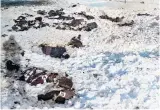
x=117, y=68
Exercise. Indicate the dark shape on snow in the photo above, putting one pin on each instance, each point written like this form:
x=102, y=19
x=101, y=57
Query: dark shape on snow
x=6, y=25
x=117, y=19
x=12, y=56
x=31, y=23
x=51, y=77
x=4, y=35
x=142, y=2
x=36, y=76
x=90, y=26
x=65, y=83
x=58, y=96
x=17, y=102
x=48, y=96
x=66, y=56
x=52, y=13
x=76, y=42
x=24, y=28
x=41, y=12
x=74, y=5
x=22, y=78
x=89, y=17
x=45, y=49
x=76, y=22
x=56, y=12
x=14, y=27
x=68, y=93
x=40, y=25
x=74, y=25
x=22, y=24
x=21, y=17
x=57, y=52
x=38, y=80
x=145, y=14
x=65, y=18
x=21, y=20
x=95, y=75
x=137, y=107
x=61, y=28
x=66, y=75
x=60, y=100
x=33, y=76
x=12, y=66
x=38, y=19
x=27, y=15
x=22, y=53
x=127, y=24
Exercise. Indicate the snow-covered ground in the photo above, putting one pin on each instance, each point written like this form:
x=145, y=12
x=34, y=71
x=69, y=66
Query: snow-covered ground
x=117, y=68
x=119, y=4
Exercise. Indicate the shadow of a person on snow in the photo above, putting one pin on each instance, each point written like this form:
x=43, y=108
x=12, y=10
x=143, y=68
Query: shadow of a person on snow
x=13, y=53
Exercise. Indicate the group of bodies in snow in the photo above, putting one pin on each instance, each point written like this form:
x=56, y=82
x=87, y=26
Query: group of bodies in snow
x=61, y=87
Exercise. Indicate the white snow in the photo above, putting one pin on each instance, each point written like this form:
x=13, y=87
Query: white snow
x=118, y=67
